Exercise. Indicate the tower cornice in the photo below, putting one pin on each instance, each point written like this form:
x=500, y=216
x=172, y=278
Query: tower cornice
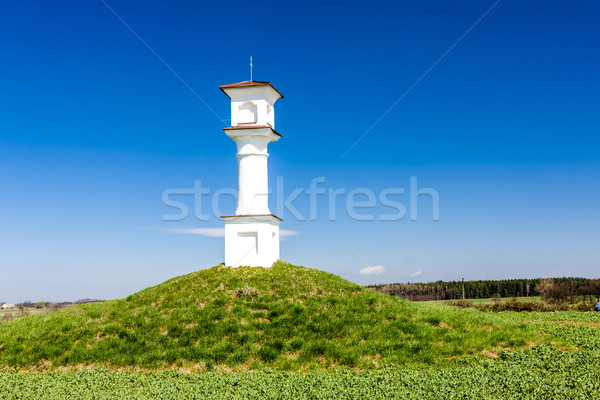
x=240, y=128
x=251, y=218
x=246, y=84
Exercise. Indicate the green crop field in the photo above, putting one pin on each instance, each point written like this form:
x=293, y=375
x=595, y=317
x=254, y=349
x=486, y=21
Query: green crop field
x=293, y=332
x=16, y=311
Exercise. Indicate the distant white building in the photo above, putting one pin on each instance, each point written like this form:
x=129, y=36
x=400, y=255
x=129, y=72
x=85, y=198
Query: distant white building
x=7, y=306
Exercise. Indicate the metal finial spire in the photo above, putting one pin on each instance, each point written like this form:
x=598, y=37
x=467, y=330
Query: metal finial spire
x=251, y=68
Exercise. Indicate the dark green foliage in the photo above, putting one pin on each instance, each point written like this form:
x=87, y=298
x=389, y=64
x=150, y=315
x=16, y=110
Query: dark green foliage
x=506, y=288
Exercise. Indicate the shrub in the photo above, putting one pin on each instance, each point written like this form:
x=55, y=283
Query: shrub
x=512, y=305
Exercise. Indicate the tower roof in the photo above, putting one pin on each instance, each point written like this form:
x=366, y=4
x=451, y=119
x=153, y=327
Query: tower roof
x=246, y=84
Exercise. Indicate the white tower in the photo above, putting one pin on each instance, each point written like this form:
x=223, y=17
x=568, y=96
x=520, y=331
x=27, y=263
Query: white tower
x=252, y=234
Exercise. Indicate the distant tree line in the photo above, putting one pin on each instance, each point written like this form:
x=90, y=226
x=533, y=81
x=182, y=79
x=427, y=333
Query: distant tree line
x=563, y=290
x=55, y=305
x=551, y=289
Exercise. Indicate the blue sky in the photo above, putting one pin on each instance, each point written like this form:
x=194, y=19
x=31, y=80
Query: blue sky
x=94, y=128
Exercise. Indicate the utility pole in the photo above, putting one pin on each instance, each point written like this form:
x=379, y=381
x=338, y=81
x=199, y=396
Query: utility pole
x=463, y=285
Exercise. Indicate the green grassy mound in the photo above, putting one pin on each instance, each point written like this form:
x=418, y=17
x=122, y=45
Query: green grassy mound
x=284, y=318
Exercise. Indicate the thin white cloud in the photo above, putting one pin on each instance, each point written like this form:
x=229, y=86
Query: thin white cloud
x=416, y=273
x=372, y=270
x=285, y=233
x=210, y=232
x=288, y=232
x=218, y=232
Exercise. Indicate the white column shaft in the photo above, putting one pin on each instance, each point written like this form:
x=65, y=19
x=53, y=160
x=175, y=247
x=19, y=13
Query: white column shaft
x=253, y=184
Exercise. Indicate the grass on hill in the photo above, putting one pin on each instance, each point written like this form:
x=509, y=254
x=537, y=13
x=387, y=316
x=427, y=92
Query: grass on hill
x=541, y=372
x=283, y=318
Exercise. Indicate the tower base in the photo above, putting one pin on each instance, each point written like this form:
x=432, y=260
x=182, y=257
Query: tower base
x=251, y=240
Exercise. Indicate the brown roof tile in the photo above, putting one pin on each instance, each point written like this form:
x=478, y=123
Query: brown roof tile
x=248, y=84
